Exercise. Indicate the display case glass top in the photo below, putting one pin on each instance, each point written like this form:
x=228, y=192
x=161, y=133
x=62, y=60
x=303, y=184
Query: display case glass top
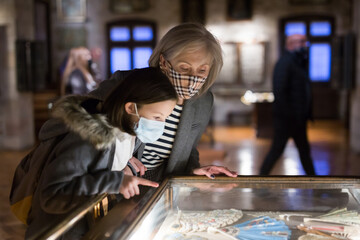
x=223, y=208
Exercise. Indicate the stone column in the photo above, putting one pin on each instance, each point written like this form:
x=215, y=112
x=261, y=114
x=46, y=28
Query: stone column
x=355, y=120
x=16, y=108
x=355, y=100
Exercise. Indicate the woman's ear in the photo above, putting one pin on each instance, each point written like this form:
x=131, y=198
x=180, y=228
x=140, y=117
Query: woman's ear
x=162, y=61
x=130, y=108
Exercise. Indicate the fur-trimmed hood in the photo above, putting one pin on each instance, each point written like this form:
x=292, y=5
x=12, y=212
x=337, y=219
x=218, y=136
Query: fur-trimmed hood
x=93, y=127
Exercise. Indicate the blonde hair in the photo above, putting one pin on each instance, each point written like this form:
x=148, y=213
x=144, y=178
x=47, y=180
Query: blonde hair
x=185, y=37
x=76, y=61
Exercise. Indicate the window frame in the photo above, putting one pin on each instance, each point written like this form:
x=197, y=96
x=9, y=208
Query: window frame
x=308, y=19
x=131, y=44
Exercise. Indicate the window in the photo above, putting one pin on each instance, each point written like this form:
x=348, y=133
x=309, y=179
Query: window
x=120, y=59
x=119, y=34
x=130, y=44
x=143, y=33
x=320, y=62
x=319, y=31
x=295, y=28
x=141, y=56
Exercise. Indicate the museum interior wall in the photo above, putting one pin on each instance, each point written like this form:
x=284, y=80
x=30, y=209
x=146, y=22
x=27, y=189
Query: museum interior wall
x=16, y=112
x=355, y=100
x=18, y=126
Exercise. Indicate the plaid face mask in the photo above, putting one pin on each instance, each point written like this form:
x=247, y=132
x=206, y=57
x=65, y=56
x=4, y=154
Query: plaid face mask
x=186, y=86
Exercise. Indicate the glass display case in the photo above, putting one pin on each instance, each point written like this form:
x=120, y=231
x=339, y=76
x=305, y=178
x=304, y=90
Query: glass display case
x=249, y=207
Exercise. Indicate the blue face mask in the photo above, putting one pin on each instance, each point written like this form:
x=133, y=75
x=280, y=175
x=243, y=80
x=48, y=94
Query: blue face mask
x=148, y=131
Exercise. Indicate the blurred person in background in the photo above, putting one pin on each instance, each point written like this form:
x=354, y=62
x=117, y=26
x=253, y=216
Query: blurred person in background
x=292, y=107
x=94, y=63
x=77, y=77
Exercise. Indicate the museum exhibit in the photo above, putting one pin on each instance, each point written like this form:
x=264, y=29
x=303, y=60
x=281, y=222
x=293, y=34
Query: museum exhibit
x=180, y=119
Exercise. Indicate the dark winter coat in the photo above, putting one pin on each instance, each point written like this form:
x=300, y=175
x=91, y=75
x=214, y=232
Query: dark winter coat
x=79, y=166
x=291, y=87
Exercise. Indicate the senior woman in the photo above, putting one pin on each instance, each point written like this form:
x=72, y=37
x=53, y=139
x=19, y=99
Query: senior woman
x=192, y=58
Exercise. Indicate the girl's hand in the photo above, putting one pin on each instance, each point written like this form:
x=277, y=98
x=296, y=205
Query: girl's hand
x=130, y=185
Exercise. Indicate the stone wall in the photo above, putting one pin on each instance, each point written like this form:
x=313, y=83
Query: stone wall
x=165, y=13
x=355, y=100
x=355, y=121
x=16, y=22
x=16, y=111
x=263, y=25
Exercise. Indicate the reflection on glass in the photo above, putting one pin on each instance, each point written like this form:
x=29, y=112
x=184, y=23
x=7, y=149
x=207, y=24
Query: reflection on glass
x=143, y=33
x=193, y=200
x=120, y=59
x=119, y=34
x=192, y=208
x=320, y=29
x=320, y=62
x=322, y=160
x=141, y=56
x=290, y=164
x=295, y=28
x=246, y=164
x=153, y=220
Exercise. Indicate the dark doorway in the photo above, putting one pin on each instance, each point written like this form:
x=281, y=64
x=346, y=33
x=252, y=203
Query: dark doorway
x=41, y=48
x=3, y=62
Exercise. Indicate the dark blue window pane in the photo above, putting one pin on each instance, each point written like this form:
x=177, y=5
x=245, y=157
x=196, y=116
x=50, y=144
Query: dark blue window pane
x=319, y=29
x=320, y=62
x=119, y=34
x=143, y=33
x=141, y=56
x=295, y=28
x=120, y=59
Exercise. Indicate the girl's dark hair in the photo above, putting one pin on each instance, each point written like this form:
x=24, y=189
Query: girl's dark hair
x=142, y=86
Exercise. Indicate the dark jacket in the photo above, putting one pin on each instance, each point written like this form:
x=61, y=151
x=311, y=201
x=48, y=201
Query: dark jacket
x=291, y=87
x=79, y=165
x=193, y=122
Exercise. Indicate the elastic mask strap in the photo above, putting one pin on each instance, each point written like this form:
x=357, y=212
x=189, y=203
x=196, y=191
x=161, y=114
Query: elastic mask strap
x=137, y=114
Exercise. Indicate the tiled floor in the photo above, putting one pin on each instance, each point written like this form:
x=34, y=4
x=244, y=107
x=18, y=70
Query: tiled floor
x=239, y=149
x=235, y=147
x=10, y=227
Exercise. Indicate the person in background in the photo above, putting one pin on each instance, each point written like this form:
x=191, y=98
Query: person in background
x=292, y=106
x=77, y=77
x=192, y=58
x=94, y=142
x=94, y=63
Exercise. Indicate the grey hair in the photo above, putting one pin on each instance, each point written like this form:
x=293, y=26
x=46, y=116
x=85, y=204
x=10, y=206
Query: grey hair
x=189, y=36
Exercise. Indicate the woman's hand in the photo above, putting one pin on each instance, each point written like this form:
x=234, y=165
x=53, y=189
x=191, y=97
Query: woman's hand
x=130, y=185
x=212, y=170
x=139, y=167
